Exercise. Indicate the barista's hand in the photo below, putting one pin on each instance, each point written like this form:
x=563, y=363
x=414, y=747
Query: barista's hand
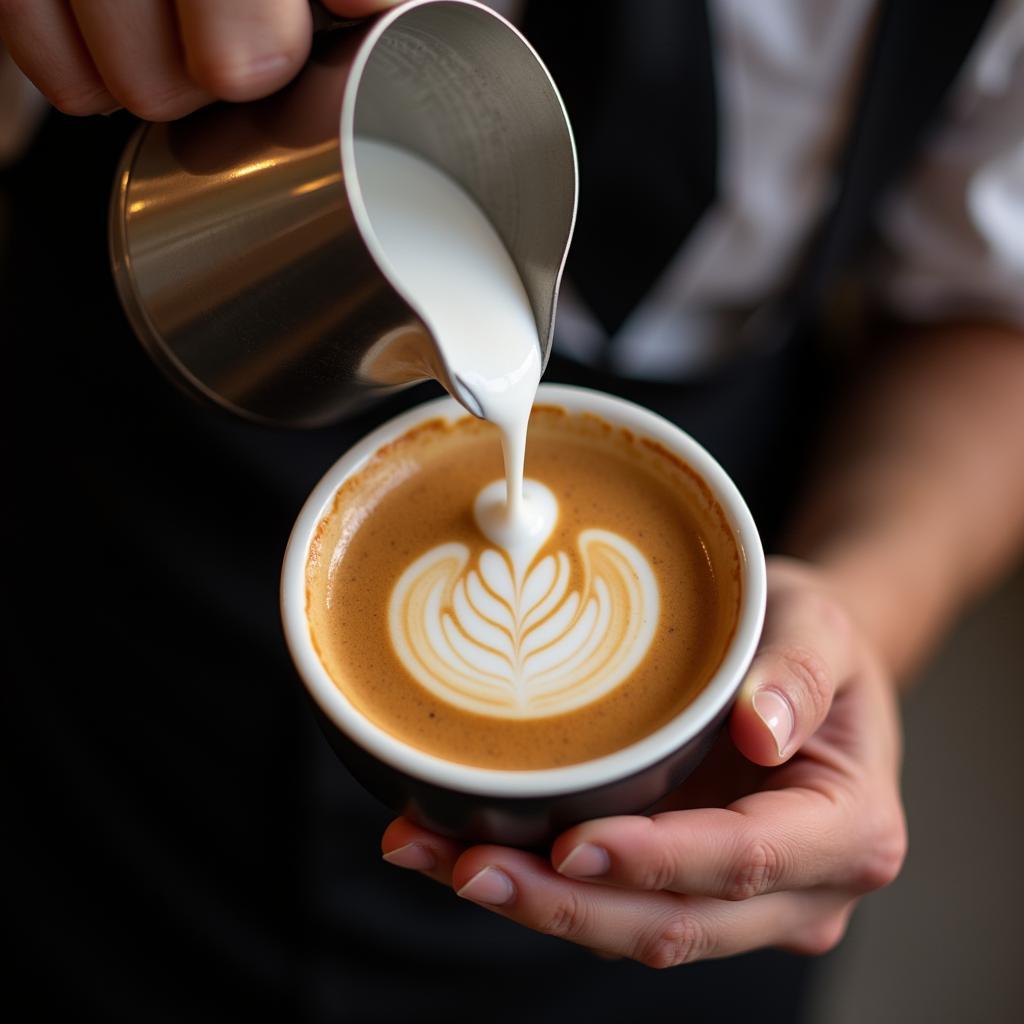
x=770, y=843
x=161, y=59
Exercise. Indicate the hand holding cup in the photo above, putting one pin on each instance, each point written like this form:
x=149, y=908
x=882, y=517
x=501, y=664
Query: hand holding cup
x=794, y=815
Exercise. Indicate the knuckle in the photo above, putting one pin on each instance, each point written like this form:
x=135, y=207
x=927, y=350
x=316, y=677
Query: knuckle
x=567, y=918
x=682, y=940
x=756, y=871
x=811, y=675
x=882, y=859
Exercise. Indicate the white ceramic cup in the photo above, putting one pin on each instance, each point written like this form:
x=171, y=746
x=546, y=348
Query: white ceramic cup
x=525, y=808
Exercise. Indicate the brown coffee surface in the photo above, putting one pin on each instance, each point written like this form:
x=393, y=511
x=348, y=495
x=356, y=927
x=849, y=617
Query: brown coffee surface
x=418, y=492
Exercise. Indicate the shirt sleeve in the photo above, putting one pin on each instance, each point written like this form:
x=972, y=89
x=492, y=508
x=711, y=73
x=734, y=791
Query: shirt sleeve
x=951, y=236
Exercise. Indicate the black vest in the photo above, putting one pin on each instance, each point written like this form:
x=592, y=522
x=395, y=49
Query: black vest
x=648, y=67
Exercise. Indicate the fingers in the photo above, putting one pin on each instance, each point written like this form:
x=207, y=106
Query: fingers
x=768, y=842
x=806, y=653
x=406, y=845
x=161, y=59
x=657, y=929
x=158, y=59
x=244, y=49
x=135, y=47
x=43, y=38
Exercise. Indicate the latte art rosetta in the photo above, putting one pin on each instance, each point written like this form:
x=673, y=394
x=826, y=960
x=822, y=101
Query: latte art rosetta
x=507, y=636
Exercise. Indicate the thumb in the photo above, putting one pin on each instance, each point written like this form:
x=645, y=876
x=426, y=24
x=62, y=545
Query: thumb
x=804, y=657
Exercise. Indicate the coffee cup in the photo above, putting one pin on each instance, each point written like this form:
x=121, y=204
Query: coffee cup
x=516, y=806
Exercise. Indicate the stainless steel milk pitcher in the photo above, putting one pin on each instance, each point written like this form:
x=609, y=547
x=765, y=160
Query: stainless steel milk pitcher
x=235, y=235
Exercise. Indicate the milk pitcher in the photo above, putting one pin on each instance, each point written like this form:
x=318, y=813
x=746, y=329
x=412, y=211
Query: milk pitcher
x=240, y=245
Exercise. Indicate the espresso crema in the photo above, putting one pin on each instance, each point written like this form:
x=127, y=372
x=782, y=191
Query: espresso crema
x=590, y=634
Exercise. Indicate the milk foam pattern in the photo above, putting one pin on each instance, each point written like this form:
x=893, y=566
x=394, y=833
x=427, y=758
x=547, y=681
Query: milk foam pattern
x=507, y=637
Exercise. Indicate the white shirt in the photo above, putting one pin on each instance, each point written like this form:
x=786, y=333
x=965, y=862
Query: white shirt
x=949, y=238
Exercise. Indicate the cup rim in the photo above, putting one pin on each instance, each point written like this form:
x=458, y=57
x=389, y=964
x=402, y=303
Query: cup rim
x=542, y=782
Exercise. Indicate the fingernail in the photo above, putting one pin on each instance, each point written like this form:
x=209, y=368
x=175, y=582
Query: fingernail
x=491, y=886
x=585, y=861
x=413, y=855
x=777, y=713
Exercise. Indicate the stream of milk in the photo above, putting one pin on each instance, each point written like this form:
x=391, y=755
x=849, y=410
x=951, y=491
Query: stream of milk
x=454, y=269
